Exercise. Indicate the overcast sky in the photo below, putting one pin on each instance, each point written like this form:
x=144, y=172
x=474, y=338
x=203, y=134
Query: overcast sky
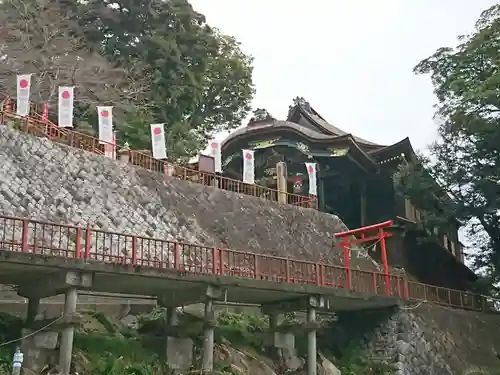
x=351, y=59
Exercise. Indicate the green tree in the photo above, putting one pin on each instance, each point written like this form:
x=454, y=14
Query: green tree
x=43, y=37
x=201, y=81
x=463, y=169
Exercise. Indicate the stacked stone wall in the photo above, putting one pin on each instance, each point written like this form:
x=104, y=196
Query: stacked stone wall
x=44, y=180
x=425, y=339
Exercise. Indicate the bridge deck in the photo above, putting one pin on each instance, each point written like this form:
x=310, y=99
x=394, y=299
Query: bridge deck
x=31, y=250
x=21, y=268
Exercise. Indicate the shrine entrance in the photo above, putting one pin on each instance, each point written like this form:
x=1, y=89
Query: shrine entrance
x=342, y=198
x=341, y=176
x=296, y=174
x=294, y=184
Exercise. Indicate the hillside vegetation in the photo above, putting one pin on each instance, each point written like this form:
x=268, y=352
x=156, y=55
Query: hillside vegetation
x=104, y=346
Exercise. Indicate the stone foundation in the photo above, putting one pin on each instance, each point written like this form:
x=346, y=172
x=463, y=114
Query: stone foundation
x=39, y=350
x=179, y=353
x=424, y=340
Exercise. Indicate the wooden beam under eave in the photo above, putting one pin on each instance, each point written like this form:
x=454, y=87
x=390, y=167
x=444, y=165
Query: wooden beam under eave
x=330, y=173
x=355, y=161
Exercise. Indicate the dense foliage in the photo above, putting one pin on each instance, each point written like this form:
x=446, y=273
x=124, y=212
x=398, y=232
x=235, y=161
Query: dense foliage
x=463, y=170
x=156, y=61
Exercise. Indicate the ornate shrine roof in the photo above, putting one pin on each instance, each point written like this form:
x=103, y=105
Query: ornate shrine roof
x=305, y=122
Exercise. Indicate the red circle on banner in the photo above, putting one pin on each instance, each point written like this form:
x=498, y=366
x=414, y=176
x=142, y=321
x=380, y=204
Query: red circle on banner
x=104, y=113
x=23, y=83
x=248, y=156
x=156, y=131
x=66, y=95
x=214, y=145
x=310, y=169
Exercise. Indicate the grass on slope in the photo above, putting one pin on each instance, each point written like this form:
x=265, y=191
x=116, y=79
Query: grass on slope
x=104, y=347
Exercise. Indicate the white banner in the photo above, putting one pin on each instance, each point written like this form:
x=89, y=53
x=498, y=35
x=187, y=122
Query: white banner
x=105, y=114
x=158, y=141
x=23, y=94
x=215, y=152
x=311, y=171
x=248, y=167
x=65, y=108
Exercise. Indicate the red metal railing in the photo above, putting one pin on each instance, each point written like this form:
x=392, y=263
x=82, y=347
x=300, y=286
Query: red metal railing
x=34, y=125
x=48, y=239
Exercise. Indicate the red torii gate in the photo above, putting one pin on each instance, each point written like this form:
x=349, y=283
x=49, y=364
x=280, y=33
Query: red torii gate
x=375, y=232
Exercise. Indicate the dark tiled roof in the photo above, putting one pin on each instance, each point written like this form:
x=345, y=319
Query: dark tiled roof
x=256, y=128
x=322, y=123
x=321, y=130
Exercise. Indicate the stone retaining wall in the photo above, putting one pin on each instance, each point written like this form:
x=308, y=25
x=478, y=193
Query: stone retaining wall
x=48, y=181
x=426, y=339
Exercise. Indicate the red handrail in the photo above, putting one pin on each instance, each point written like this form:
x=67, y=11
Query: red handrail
x=49, y=239
x=34, y=126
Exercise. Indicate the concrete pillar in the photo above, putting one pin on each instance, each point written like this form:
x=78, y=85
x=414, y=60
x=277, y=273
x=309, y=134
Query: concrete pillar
x=33, y=306
x=282, y=343
x=208, y=339
x=311, y=342
x=66, y=346
x=274, y=320
x=178, y=350
x=172, y=318
x=184, y=297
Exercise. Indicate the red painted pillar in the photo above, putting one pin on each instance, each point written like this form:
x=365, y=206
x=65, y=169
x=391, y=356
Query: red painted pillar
x=320, y=275
x=78, y=243
x=134, y=250
x=25, y=237
x=45, y=114
x=383, y=248
x=347, y=262
x=215, y=261
x=177, y=256
x=88, y=243
x=7, y=105
x=287, y=271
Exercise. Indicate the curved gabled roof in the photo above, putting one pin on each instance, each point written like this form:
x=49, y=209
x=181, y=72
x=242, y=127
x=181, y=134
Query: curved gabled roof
x=398, y=147
x=306, y=122
x=323, y=125
x=276, y=127
x=258, y=127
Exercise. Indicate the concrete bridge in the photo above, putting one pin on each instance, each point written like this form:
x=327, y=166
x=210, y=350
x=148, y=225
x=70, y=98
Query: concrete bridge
x=46, y=259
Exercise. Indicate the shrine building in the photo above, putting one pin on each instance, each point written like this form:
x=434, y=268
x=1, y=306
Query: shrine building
x=354, y=182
